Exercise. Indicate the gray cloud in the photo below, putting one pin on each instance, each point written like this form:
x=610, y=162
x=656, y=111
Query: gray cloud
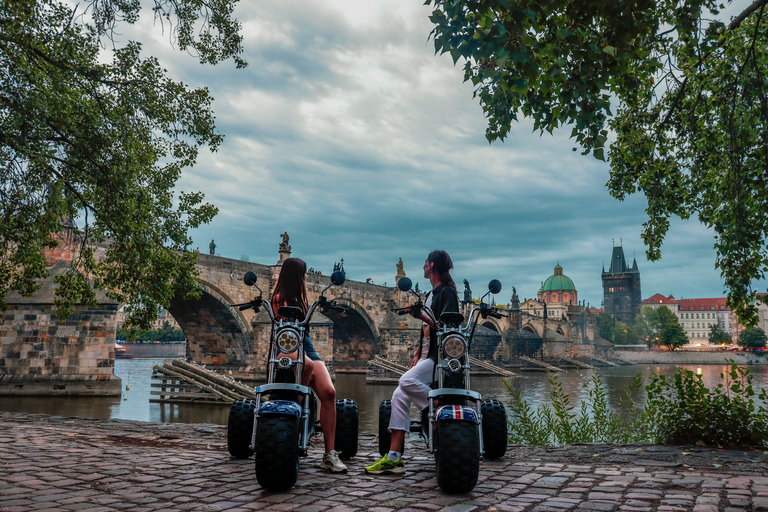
x=347, y=132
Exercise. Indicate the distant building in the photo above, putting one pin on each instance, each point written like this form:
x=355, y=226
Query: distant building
x=557, y=296
x=621, y=288
x=697, y=316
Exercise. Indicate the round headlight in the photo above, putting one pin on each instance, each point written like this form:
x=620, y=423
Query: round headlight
x=287, y=341
x=454, y=346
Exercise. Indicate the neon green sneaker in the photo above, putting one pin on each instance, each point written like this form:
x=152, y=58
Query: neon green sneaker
x=386, y=467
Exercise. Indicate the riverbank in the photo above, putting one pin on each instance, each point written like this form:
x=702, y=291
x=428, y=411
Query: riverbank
x=153, y=350
x=51, y=463
x=697, y=357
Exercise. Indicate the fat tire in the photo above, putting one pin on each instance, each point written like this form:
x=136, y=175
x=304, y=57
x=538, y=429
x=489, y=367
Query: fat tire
x=494, y=429
x=240, y=428
x=457, y=460
x=277, y=451
x=347, y=419
x=385, y=436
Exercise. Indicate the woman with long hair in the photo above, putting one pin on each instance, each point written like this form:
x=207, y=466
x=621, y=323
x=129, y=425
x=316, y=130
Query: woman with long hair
x=413, y=386
x=291, y=290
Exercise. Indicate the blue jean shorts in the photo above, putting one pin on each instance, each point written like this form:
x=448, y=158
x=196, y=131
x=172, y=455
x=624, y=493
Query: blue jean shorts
x=309, y=349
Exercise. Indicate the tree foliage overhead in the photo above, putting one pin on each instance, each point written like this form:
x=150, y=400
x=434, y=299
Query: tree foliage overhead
x=683, y=91
x=98, y=134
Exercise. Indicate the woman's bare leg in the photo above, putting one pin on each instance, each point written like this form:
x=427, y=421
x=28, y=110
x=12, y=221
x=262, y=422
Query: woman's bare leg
x=323, y=386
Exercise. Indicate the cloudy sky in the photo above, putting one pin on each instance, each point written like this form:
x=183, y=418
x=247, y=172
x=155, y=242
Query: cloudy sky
x=347, y=132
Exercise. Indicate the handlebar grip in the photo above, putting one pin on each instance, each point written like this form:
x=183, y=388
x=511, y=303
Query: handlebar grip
x=243, y=307
x=494, y=314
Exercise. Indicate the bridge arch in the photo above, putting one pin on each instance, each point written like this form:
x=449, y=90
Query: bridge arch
x=355, y=334
x=531, y=328
x=216, y=333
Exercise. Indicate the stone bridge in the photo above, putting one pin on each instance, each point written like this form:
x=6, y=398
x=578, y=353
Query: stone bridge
x=40, y=354
x=219, y=334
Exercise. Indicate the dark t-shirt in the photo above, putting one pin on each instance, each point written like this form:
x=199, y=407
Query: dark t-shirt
x=444, y=298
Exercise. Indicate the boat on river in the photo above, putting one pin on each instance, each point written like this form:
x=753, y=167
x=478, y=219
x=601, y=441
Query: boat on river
x=121, y=352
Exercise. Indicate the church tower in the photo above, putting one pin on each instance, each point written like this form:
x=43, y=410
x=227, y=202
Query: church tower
x=621, y=288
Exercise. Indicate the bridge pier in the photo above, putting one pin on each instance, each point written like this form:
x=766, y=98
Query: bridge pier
x=41, y=355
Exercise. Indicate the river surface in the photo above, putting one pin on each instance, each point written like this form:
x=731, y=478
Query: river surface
x=136, y=379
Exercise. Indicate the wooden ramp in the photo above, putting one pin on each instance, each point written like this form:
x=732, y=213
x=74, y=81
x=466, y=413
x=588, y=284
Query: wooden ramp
x=621, y=361
x=541, y=364
x=183, y=382
x=384, y=371
x=604, y=361
x=475, y=362
x=576, y=362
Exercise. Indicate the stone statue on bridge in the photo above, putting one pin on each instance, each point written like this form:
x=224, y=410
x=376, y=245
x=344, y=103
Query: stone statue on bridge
x=284, y=247
x=400, y=272
x=515, y=300
x=212, y=247
x=467, y=292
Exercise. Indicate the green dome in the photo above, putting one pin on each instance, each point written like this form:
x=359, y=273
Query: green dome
x=557, y=282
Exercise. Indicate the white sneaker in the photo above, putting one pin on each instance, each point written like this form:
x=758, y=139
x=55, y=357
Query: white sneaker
x=332, y=463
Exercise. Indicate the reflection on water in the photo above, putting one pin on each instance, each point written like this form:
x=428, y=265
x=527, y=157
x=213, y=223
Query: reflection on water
x=136, y=382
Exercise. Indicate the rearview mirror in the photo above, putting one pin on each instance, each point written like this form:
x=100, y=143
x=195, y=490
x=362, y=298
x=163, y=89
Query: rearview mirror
x=404, y=284
x=249, y=278
x=494, y=286
x=338, y=278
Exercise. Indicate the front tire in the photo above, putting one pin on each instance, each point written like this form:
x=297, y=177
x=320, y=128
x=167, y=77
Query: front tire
x=457, y=459
x=347, y=416
x=494, y=428
x=277, y=452
x=240, y=428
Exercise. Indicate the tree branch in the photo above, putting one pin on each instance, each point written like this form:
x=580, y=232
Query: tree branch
x=744, y=15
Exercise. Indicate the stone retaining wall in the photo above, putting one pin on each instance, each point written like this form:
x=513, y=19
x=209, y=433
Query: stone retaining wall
x=155, y=350
x=677, y=357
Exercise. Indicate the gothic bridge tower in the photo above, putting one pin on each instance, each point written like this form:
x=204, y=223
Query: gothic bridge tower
x=621, y=288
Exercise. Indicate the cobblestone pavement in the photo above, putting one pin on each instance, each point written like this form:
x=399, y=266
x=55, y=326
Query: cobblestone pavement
x=50, y=463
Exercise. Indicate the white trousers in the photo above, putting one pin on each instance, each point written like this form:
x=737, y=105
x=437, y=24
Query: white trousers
x=413, y=386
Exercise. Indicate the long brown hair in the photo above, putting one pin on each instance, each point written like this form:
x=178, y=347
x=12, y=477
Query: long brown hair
x=291, y=289
x=443, y=266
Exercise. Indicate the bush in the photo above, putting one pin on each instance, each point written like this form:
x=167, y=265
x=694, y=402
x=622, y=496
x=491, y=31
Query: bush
x=682, y=410
x=558, y=424
x=679, y=410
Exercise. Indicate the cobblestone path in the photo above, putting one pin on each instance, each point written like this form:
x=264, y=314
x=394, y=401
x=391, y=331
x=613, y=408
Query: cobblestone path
x=50, y=463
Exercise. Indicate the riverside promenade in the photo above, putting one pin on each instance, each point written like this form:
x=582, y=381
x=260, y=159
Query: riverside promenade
x=50, y=463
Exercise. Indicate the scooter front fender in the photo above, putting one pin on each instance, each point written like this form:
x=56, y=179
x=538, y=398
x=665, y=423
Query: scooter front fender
x=279, y=407
x=456, y=412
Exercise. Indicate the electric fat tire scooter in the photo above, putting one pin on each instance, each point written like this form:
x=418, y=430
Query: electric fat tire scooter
x=458, y=426
x=277, y=425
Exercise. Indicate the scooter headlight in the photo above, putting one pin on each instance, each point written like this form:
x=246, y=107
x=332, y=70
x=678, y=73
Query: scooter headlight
x=288, y=340
x=454, y=346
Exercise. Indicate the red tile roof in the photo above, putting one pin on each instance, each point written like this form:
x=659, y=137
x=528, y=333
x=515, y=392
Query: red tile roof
x=660, y=299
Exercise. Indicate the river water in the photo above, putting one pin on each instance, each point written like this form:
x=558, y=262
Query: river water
x=135, y=374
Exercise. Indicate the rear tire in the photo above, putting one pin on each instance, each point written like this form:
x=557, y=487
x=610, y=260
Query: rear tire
x=385, y=436
x=277, y=452
x=494, y=428
x=347, y=415
x=240, y=428
x=457, y=459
